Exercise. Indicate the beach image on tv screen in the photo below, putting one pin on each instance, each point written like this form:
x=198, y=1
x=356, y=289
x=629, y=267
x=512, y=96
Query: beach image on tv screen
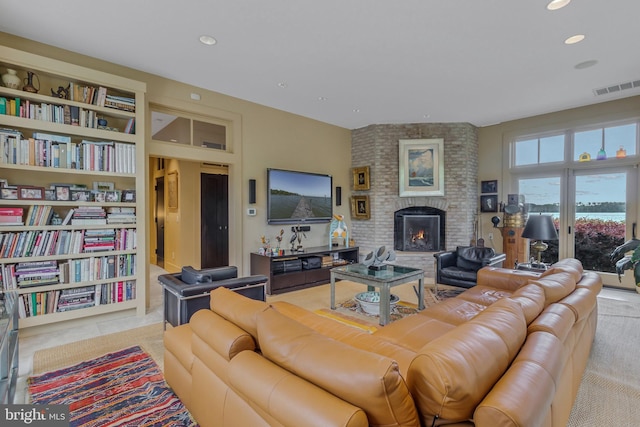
x=299, y=196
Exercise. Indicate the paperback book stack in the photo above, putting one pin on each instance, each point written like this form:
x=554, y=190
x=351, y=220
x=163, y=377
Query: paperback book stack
x=89, y=215
x=76, y=298
x=37, y=273
x=99, y=240
x=121, y=215
x=11, y=216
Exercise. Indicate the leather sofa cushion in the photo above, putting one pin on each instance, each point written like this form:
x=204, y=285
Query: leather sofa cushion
x=454, y=311
x=364, y=379
x=470, y=258
x=556, y=286
x=524, y=395
x=503, y=278
x=582, y=302
x=237, y=308
x=453, y=373
x=557, y=319
x=484, y=295
x=356, y=337
x=220, y=335
x=567, y=265
x=286, y=398
x=532, y=300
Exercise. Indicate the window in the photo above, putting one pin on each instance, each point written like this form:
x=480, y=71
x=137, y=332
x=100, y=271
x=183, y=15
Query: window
x=586, y=179
x=169, y=127
x=601, y=143
x=539, y=150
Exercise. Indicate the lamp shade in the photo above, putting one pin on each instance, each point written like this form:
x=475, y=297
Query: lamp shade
x=540, y=227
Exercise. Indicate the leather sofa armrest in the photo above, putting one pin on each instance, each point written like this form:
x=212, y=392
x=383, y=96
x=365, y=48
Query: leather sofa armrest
x=494, y=260
x=445, y=259
x=176, y=286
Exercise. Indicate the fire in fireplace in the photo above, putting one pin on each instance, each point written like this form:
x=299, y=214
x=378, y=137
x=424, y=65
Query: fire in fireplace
x=419, y=229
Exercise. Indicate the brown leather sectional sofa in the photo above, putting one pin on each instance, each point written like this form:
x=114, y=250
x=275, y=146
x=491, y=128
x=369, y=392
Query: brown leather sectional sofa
x=508, y=352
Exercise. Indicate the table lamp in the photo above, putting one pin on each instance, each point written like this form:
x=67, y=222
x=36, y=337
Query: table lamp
x=539, y=228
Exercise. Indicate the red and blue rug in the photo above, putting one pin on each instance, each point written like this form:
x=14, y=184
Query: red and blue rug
x=125, y=388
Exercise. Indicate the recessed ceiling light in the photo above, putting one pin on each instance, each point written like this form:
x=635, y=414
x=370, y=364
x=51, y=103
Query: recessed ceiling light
x=574, y=39
x=557, y=4
x=585, y=64
x=208, y=40
x=282, y=85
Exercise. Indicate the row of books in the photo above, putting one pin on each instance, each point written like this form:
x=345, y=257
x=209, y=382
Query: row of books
x=62, y=114
x=58, y=301
x=58, y=151
x=11, y=216
x=120, y=103
x=42, y=273
x=35, y=243
x=98, y=268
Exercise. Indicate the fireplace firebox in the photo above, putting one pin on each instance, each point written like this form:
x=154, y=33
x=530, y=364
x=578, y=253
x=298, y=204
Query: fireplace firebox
x=419, y=229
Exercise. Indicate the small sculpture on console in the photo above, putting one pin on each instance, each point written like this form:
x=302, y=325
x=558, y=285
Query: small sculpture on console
x=298, y=234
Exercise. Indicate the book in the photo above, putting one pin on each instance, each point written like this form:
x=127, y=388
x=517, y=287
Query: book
x=68, y=217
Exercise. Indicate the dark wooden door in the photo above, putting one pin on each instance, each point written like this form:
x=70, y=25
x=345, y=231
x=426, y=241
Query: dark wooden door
x=160, y=221
x=214, y=196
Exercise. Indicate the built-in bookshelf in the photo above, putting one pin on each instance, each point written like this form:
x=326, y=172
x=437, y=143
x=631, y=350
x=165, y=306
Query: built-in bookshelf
x=72, y=221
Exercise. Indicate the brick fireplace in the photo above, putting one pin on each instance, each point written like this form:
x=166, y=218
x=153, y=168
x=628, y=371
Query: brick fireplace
x=376, y=146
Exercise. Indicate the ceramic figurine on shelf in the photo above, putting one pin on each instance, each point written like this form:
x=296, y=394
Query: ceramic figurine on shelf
x=338, y=229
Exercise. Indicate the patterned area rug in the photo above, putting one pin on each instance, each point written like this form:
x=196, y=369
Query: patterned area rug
x=349, y=312
x=125, y=388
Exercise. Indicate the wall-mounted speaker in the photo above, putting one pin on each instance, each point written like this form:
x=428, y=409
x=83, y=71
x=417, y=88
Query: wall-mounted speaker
x=252, y=191
x=338, y=196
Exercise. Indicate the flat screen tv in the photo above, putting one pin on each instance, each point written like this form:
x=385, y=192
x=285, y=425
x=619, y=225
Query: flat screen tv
x=298, y=197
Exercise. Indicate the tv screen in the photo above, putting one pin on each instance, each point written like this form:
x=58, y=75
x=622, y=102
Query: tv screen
x=295, y=197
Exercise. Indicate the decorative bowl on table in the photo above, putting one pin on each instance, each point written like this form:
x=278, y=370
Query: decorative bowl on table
x=370, y=302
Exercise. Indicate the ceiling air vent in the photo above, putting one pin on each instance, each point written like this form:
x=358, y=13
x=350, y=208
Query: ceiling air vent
x=617, y=88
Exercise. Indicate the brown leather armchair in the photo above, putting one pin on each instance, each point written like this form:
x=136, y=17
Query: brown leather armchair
x=460, y=267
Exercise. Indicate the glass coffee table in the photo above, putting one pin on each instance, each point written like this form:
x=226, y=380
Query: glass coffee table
x=384, y=280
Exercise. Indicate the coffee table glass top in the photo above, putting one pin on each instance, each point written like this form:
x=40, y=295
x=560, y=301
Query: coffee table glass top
x=389, y=273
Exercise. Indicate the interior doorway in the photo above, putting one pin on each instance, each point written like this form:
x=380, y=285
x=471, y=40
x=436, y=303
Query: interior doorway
x=214, y=217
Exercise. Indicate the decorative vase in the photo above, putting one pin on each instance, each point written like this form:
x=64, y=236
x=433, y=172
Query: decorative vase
x=29, y=87
x=11, y=79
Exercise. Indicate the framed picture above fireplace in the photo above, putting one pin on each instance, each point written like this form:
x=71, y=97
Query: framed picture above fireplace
x=421, y=167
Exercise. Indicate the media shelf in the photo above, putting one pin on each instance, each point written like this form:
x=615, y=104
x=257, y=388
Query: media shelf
x=298, y=270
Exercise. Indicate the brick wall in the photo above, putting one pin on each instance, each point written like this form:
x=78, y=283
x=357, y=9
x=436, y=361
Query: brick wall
x=376, y=146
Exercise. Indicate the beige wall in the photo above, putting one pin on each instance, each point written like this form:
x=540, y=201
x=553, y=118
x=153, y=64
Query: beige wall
x=262, y=137
x=493, y=143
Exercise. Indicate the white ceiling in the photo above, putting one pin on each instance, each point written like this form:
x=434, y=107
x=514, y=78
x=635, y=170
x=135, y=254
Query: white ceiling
x=403, y=61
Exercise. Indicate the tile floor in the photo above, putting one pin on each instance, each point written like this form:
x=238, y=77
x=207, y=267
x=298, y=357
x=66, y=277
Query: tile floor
x=31, y=341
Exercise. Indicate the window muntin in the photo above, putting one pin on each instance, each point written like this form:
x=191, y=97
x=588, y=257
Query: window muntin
x=168, y=127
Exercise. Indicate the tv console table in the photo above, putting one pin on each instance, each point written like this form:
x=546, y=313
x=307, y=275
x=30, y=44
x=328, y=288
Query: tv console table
x=298, y=270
